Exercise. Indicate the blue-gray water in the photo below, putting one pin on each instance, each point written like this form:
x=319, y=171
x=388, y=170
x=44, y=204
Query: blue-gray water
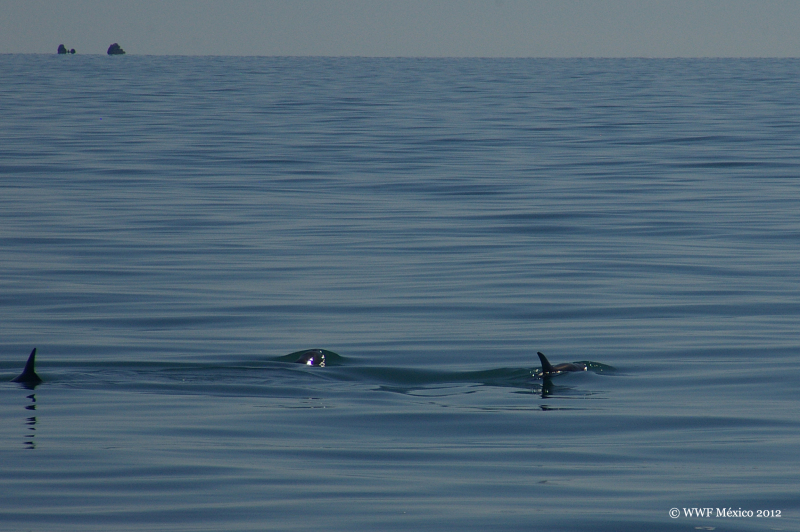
x=171, y=226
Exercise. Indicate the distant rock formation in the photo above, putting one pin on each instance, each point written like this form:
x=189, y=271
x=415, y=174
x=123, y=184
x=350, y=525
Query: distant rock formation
x=63, y=50
x=115, y=49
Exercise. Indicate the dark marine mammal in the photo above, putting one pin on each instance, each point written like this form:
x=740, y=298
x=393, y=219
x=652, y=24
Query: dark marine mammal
x=28, y=377
x=312, y=357
x=549, y=370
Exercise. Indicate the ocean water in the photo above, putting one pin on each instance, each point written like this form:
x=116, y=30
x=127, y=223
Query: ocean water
x=172, y=227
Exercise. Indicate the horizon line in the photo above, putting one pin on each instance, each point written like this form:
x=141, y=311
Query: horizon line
x=334, y=56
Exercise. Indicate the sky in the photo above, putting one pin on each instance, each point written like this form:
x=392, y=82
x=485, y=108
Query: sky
x=411, y=28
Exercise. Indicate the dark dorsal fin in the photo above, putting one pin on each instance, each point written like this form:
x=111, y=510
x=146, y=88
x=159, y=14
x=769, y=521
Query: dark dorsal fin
x=547, y=367
x=28, y=375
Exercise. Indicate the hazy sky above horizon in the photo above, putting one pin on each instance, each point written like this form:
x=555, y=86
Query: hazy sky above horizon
x=488, y=28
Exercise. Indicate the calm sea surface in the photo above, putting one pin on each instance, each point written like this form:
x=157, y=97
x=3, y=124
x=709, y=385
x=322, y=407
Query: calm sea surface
x=171, y=227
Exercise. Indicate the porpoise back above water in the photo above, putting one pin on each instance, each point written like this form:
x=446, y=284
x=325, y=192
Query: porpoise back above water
x=312, y=357
x=28, y=377
x=548, y=370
